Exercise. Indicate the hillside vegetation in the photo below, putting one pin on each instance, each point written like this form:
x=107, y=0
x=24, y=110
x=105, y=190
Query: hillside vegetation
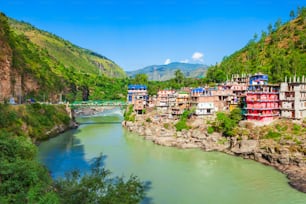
x=23, y=179
x=68, y=54
x=36, y=64
x=279, y=52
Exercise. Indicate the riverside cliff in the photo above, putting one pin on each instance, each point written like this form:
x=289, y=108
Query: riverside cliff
x=285, y=149
x=36, y=121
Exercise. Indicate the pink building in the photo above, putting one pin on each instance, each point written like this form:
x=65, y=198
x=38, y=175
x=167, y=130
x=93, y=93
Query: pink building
x=262, y=103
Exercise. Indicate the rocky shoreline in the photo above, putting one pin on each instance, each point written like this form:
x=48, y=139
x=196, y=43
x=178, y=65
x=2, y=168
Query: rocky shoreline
x=266, y=151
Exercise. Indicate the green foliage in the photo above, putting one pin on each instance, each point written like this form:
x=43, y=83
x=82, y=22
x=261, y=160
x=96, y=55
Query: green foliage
x=210, y=130
x=69, y=55
x=32, y=120
x=23, y=179
x=99, y=187
x=296, y=127
x=280, y=53
x=140, y=79
x=128, y=114
x=148, y=120
x=226, y=123
x=58, y=66
x=179, y=76
x=272, y=135
x=182, y=123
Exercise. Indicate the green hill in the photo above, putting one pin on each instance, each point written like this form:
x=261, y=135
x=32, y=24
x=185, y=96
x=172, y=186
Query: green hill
x=36, y=64
x=279, y=52
x=68, y=54
x=166, y=72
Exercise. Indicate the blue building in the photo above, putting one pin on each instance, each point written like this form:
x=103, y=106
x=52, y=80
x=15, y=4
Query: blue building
x=259, y=79
x=137, y=92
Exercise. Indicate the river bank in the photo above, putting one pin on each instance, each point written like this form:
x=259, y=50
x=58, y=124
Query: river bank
x=286, y=154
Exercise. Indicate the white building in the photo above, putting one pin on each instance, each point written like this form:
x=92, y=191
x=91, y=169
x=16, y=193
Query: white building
x=205, y=108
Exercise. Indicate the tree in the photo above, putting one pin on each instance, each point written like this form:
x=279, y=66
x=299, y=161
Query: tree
x=270, y=28
x=179, y=76
x=99, y=187
x=140, y=79
x=292, y=14
x=278, y=24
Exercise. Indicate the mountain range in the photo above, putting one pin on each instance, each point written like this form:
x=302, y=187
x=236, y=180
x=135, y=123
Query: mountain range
x=166, y=72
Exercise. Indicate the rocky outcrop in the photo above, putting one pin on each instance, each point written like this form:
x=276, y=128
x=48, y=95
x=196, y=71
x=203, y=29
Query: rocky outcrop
x=265, y=151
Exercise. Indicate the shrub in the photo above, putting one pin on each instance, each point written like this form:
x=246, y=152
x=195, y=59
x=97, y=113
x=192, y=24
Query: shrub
x=272, y=135
x=166, y=125
x=296, y=128
x=148, y=120
x=210, y=130
x=181, y=125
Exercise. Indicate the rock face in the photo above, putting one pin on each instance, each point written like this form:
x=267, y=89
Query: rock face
x=268, y=152
x=12, y=83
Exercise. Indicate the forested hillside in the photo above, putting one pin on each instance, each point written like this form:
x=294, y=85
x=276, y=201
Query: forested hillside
x=279, y=52
x=68, y=54
x=39, y=65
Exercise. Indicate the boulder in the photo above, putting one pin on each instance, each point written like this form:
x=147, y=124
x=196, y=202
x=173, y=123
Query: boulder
x=246, y=147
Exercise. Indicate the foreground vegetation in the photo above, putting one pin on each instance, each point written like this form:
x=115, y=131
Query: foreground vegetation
x=24, y=180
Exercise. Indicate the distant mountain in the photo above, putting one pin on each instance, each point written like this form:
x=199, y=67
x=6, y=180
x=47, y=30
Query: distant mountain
x=279, y=52
x=165, y=72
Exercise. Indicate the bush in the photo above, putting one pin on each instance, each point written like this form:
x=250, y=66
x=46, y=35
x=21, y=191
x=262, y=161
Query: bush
x=166, y=125
x=210, y=130
x=181, y=125
x=225, y=123
x=128, y=114
x=272, y=135
x=148, y=120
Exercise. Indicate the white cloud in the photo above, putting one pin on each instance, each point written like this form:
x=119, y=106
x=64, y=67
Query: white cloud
x=198, y=56
x=168, y=61
x=184, y=61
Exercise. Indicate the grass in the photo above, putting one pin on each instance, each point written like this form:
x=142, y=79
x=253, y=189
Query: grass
x=272, y=135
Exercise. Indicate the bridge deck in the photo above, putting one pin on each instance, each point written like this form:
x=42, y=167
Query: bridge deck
x=99, y=103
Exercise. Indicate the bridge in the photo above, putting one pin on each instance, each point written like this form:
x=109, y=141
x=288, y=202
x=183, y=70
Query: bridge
x=101, y=103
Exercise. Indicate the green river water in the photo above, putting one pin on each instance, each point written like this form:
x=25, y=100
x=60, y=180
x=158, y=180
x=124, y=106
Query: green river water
x=175, y=175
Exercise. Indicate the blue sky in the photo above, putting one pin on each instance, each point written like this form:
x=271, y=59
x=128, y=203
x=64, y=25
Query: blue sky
x=138, y=33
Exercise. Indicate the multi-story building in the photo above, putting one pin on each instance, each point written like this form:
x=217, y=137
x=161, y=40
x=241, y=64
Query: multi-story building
x=262, y=100
x=182, y=103
x=138, y=96
x=293, y=98
x=203, y=101
x=166, y=98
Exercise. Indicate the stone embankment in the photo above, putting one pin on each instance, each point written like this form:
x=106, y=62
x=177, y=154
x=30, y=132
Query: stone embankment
x=266, y=151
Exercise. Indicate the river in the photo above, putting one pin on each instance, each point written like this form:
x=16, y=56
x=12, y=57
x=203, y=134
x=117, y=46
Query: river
x=176, y=175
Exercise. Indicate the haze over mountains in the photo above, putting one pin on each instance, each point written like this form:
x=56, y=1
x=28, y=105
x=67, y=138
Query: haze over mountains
x=166, y=71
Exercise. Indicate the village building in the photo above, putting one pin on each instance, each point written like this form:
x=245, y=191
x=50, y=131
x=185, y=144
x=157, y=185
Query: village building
x=293, y=98
x=203, y=101
x=138, y=96
x=182, y=103
x=165, y=99
x=261, y=103
x=224, y=96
